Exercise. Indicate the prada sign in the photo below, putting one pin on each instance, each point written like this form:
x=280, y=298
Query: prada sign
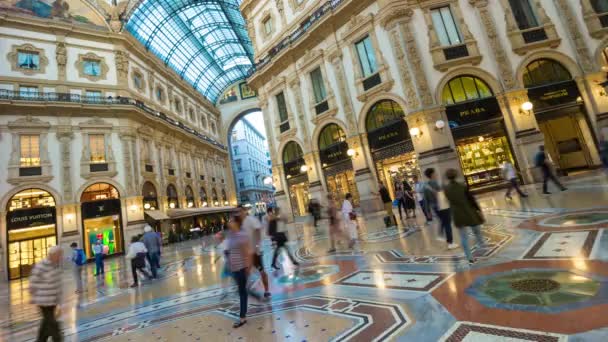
x=334, y=153
x=472, y=111
x=293, y=168
x=26, y=218
x=553, y=95
x=100, y=208
x=388, y=135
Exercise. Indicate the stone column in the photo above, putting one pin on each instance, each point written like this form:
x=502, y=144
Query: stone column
x=281, y=196
x=364, y=179
x=345, y=98
x=127, y=139
x=406, y=79
x=576, y=36
x=61, y=56
x=500, y=56
x=301, y=115
x=122, y=71
x=315, y=186
x=435, y=147
x=69, y=209
x=413, y=55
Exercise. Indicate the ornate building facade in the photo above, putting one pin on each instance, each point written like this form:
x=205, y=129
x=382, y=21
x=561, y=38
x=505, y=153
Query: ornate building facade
x=377, y=90
x=96, y=132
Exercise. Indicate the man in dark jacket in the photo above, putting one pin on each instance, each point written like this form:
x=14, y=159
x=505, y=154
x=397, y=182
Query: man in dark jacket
x=153, y=245
x=541, y=161
x=388, y=204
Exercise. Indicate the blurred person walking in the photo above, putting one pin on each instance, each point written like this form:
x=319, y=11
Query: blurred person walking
x=137, y=255
x=466, y=212
x=279, y=238
x=409, y=202
x=510, y=174
x=153, y=244
x=335, y=232
x=419, y=191
x=253, y=227
x=240, y=255
x=435, y=200
x=79, y=259
x=45, y=292
x=349, y=217
x=544, y=163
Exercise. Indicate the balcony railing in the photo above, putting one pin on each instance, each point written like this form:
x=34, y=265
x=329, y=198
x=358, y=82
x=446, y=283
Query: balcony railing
x=454, y=52
x=96, y=100
x=304, y=27
x=535, y=35
x=256, y=187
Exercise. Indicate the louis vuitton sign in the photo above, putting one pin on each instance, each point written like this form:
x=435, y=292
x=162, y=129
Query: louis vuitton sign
x=27, y=218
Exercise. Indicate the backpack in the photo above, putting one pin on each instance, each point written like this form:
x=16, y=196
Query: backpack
x=81, y=258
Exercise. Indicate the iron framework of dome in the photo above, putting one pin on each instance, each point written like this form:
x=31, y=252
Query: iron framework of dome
x=204, y=41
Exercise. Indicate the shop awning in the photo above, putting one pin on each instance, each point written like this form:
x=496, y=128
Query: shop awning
x=182, y=213
x=156, y=215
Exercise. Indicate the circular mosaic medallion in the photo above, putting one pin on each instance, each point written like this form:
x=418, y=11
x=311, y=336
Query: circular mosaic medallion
x=385, y=235
x=310, y=274
x=576, y=219
x=539, y=288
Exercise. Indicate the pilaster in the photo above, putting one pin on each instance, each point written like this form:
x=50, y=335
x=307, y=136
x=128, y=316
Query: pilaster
x=575, y=32
x=335, y=58
x=413, y=55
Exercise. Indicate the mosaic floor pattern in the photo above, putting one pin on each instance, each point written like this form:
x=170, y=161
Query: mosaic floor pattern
x=542, y=275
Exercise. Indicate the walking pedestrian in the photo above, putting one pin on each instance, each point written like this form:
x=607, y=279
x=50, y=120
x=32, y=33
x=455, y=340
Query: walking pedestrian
x=222, y=250
x=45, y=292
x=408, y=199
x=509, y=174
x=466, y=212
x=279, y=238
x=153, y=245
x=253, y=227
x=399, y=200
x=349, y=217
x=137, y=255
x=545, y=166
x=238, y=244
x=98, y=249
x=79, y=259
x=389, y=220
x=335, y=232
x=419, y=191
x=435, y=200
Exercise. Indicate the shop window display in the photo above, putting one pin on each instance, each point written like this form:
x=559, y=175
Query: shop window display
x=101, y=218
x=482, y=156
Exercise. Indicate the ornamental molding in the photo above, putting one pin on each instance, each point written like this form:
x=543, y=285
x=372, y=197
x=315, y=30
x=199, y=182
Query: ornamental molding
x=29, y=124
x=103, y=72
x=12, y=57
x=135, y=71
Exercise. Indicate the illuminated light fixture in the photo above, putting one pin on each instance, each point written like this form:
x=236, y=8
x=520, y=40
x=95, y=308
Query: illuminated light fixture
x=303, y=168
x=69, y=217
x=147, y=206
x=190, y=204
x=172, y=205
x=133, y=208
x=439, y=125
x=351, y=153
x=205, y=204
x=415, y=132
x=225, y=202
x=526, y=108
x=216, y=203
x=481, y=139
x=268, y=180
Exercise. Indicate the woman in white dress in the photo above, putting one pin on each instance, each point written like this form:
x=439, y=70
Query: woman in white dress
x=350, y=219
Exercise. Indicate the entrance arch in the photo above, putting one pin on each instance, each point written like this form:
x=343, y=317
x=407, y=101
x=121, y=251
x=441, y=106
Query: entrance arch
x=336, y=163
x=390, y=144
x=189, y=194
x=560, y=112
x=101, y=218
x=203, y=197
x=297, y=178
x=31, y=229
x=214, y=197
x=172, y=197
x=150, y=196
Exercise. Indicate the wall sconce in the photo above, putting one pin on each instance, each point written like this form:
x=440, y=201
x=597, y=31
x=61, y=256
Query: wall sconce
x=526, y=108
x=172, y=205
x=415, y=132
x=69, y=217
x=190, y=204
x=133, y=208
x=439, y=125
x=225, y=202
x=351, y=153
x=205, y=204
x=481, y=138
x=147, y=206
x=303, y=168
x=216, y=203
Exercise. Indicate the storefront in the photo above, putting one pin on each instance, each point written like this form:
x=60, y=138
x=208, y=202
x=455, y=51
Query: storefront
x=172, y=198
x=337, y=164
x=560, y=113
x=479, y=132
x=101, y=218
x=390, y=144
x=296, y=175
x=189, y=197
x=150, y=198
x=31, y=230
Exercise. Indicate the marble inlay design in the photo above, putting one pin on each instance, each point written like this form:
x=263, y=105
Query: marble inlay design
x=563, y=245
x=536, y=290
x=386, y=235
x=412, y=281
x=576, y=219
x=473, y=332
x=522, y=214
x=305, y=275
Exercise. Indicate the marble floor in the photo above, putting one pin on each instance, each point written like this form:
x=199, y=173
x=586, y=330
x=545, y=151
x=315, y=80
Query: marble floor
x=542, y=275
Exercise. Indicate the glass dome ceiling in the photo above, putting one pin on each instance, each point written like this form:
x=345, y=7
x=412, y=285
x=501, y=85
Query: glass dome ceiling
x=204, y=41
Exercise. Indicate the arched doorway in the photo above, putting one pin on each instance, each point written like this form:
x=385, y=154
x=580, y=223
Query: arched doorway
x=150, y=197
x=172, y=198
x=560, y=113
x=224, y=197
x=101, y=218
x=189, y=197
x=203, y=195
x=477, y=125
x=297, y=178
x=214, y=197
x=390, y=144
x=337, y=165
x=31, y=230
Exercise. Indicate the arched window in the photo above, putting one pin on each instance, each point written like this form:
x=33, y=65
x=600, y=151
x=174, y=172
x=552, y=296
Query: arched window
x=545, y=71
x=383, y=113
x=291, y=152
x=203, y=194
x=465, y=88
x=330, y=135
x=224, y=197
x=172, y=196
x=31, y=198
x=214, y=196
x=150, y=196
x=99, y=191
x=189, y=196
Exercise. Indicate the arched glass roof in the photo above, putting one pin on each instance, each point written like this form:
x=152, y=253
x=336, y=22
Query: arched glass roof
x=204, y=41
